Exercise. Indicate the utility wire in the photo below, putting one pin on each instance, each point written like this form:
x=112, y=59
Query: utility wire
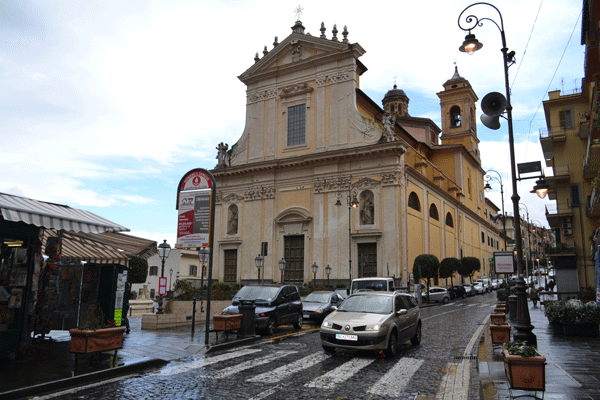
x=527, y=45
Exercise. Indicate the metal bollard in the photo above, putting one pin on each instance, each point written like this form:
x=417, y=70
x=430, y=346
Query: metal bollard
x=194, y=316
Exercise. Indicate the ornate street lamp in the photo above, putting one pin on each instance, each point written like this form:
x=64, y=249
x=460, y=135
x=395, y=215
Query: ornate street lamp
x=328, y=271
x=170, y=279
x=487, y=178
x=315, y=268
x=522, y=323
x=259, y=261
x=281, y=264
x=163, y=252
x=352, y=203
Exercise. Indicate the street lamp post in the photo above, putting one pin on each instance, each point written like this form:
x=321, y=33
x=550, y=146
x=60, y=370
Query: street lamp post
x=163, y=252
x=522, y=323
x=528, y=252
x=315, y=268
x=352, y=203
x=203, y=255
x=170, y=279
x=281, y=264
x=487, y=178
x=328, y=271
x=259, y=261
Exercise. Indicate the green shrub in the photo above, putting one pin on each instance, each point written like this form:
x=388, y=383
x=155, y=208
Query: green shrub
x=520, y=348
x=502, y=295
x=221, y=291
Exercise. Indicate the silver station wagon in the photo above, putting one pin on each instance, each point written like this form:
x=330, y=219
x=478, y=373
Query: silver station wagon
x=372, y=321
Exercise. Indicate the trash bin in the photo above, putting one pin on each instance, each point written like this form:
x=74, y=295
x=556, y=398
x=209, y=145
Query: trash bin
x=512, y=307
x=247, y=309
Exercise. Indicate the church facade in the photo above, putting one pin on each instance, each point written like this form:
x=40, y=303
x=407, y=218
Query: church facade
x=327, y=177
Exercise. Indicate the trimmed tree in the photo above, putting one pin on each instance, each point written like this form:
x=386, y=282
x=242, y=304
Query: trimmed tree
x=448, y=267
x=470, y=265
x=426, y=266
x=138, y=270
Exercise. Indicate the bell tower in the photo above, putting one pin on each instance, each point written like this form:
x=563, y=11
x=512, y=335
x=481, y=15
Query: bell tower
x=459, y=123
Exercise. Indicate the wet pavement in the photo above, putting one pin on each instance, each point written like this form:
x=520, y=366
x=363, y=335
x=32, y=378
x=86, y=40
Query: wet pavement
x=572, y=370
x=572, y=364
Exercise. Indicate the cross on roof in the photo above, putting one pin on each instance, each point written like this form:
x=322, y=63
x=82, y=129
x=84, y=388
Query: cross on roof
x=298, y=12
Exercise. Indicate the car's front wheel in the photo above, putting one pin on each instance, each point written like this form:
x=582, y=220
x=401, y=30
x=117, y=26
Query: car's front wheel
x=270, y=329
x=415, y=340
x=298, y=323
x=328, y=349
x=445, y=300
x=392, y=348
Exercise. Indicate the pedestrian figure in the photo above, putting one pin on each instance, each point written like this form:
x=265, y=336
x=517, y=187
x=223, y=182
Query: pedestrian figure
x=551, y=285
x=534, y=295
x=124, y=317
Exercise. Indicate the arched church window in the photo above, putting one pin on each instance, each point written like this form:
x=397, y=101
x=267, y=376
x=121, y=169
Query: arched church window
x=392, y=108
x=455, y=117
x=449, y=220
x=232, y=220
x=433, y=212
x=367, y=208
x=413, y=201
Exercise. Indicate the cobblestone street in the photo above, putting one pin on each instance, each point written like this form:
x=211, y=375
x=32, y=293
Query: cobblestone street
x=297, y=367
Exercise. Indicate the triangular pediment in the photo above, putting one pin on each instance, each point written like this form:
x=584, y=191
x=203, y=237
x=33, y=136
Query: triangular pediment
x=296, y=51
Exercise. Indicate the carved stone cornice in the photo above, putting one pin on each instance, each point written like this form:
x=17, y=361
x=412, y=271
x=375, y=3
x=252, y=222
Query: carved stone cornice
x=367, y=183
x=232, y=198
x=259, y=193
x=338, y=183
x=260, y=95
x=389, y=179
x=294, y=90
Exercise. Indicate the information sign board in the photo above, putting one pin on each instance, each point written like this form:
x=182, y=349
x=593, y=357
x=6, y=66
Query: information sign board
x=504, y=262
x=193, y=226
x=162, y=286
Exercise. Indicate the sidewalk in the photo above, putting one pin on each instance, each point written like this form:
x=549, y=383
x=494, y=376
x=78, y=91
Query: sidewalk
x=572, y=364
x=50, y=365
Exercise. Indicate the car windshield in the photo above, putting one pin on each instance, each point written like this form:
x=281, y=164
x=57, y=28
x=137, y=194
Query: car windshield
x=378, y=285
x=265, y=293
x=317, y=298
x=368, y=304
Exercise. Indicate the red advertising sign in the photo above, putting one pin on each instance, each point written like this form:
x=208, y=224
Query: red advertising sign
x=193, y=225
x=162, y=286
x=195, y=180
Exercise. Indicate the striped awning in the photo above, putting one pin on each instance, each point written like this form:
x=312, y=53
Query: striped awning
x=54, y=216
x=85, y=235
x=101, y=248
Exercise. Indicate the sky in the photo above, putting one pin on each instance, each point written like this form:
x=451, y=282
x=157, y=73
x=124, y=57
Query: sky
x=105, y=105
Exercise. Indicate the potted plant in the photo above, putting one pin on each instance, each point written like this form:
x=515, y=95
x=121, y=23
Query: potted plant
x=525, y=368
x=500, y=318
x=96, y=334
x=573, y=318
x=500, y=332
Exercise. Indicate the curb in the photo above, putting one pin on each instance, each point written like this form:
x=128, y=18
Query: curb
x=234, y=343
x=80, y=379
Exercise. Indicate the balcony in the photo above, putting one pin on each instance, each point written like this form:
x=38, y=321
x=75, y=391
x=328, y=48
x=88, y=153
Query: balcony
x=593, y=207
x=591, y=162
x=555, y=214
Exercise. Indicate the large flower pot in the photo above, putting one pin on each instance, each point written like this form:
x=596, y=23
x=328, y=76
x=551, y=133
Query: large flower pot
x=498, y=318
x=584, y=330
x=500, y=333
x=92, y=341
x=525, y=373
x=500, y=310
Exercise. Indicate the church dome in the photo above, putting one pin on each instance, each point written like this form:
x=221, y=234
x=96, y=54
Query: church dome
x=395, y=94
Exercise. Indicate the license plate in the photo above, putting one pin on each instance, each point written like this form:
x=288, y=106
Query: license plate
x=346, y=337
x=306, y=316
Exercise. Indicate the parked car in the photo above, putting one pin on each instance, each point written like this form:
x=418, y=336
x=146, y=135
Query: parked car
x=275, y=305
x=457, y=292
x=486, y=283
x=317, y=305
x=469, y=289
x=478, y=288
x=495, y=284
x=343, y=293
x=436, y=293
x=372, y=321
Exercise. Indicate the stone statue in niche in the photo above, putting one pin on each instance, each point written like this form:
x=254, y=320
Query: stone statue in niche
x=232, y=226
x=388, y=127
x=221, y=154
x=367, y=210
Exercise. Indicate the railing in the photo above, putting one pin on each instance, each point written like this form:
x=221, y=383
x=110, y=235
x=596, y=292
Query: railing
x=548, y=133
x=562, y=250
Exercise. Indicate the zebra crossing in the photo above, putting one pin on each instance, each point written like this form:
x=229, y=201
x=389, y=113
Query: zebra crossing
x=242, y=361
